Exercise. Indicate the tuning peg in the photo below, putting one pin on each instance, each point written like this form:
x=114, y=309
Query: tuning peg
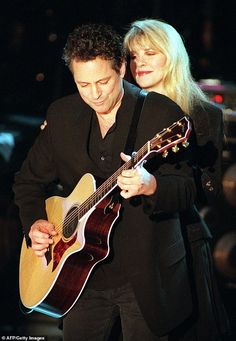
x=175, y=148
x=165, y=154
x=185, y=144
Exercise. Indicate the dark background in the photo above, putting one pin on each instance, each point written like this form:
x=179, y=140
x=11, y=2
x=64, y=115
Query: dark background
x=32, y=74
x=33, y=34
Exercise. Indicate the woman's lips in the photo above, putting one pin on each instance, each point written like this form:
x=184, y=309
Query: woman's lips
x=142, y=73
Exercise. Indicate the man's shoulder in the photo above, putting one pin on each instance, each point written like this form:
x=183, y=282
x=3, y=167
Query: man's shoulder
x=69, y=103
x=66, y=111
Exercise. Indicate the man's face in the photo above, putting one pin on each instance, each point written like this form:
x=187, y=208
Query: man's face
x=99, y=85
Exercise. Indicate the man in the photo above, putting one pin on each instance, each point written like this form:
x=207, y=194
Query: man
x=144, y=279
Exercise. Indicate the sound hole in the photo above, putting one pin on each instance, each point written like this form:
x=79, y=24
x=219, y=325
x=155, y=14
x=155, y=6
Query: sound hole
x=70, y=222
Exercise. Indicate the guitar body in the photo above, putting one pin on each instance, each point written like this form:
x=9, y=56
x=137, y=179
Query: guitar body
x=53, y=283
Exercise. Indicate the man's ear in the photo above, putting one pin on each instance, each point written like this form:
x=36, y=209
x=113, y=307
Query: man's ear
x=123, y=69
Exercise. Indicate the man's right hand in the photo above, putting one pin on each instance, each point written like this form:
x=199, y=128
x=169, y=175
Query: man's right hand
x=41, y=233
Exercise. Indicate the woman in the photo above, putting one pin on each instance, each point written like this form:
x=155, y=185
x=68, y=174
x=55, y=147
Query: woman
x=159, y=62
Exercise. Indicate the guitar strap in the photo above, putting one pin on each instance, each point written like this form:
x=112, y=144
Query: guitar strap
x=129, y=147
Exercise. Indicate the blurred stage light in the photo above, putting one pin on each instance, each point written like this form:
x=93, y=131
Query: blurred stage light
x=224, y=255
x=229, y=185
x=52, y=37
x=40, y=77
x=218, y=99
x=49, y=12
x=220, y=92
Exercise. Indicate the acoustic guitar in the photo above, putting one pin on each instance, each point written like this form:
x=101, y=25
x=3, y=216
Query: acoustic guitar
x=53, y=283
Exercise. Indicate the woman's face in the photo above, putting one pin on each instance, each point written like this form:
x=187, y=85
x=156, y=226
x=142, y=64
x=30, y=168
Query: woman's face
x=148, y=67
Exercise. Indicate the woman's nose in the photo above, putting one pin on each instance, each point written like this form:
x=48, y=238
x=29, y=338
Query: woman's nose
x=140, y=60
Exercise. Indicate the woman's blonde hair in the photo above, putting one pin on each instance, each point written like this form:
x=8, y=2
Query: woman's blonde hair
x=178, y=82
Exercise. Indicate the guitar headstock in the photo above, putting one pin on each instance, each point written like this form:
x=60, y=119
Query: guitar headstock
x=176, y=134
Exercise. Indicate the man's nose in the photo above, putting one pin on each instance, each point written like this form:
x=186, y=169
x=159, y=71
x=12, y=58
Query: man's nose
x=96, y=92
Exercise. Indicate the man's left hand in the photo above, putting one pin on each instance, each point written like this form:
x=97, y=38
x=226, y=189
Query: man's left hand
x=135, y=181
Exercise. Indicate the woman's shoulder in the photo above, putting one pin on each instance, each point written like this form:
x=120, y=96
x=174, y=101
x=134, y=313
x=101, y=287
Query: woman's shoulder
x=207, y=108
x=207, y=119
x=206, y=113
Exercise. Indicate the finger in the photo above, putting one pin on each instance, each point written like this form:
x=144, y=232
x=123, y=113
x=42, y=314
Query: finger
x=40, y=253
x=43, y=226
x=41, y=230
x=125, y=157
x=48, y=228
x=40, y=247
x=123, y=183
x=125, y=194
x=43, y=241
x=128, y=173
x=39, y=237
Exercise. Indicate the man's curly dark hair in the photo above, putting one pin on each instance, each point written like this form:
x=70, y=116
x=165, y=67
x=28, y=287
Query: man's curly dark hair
x=88, y=41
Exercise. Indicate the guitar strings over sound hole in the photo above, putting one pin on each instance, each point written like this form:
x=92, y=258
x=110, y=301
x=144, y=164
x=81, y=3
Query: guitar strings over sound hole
x=71, y=222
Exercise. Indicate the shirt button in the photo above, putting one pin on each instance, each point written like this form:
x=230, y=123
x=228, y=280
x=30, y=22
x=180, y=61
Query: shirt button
x=102, y=158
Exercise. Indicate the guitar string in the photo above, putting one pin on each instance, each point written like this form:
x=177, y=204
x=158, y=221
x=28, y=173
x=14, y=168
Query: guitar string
x=110, y=182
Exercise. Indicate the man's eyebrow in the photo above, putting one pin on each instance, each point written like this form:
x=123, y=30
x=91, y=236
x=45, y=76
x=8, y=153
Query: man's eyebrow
x=99, y=80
